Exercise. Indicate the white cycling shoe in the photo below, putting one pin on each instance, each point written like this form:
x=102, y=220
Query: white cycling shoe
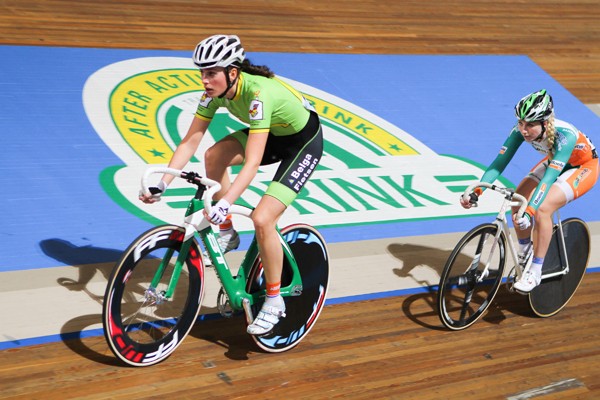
x=267, y=318
x=528, y=282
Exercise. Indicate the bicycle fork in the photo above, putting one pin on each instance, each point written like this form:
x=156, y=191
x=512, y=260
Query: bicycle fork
x=477, y=259
x=167, y=294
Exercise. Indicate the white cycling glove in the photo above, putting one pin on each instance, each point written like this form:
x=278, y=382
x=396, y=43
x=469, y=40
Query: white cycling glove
x=219, y=212
x=157, y=191
x=524, y=222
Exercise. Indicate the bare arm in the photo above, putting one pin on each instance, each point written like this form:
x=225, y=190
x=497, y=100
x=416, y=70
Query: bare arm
x=187, y=147
x=182, y=155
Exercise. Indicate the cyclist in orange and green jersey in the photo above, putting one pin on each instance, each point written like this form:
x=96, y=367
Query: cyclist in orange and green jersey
x=282, y=127
x=568, y=170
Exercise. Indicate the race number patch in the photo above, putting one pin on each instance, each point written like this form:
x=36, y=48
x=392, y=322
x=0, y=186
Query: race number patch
x=205, y=100
x=256, y=110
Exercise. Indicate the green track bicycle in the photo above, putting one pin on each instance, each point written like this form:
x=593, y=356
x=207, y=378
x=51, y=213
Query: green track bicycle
x=155, y=291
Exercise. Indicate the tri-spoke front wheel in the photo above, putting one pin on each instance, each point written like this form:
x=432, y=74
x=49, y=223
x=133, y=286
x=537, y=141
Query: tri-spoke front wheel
x=471, y=276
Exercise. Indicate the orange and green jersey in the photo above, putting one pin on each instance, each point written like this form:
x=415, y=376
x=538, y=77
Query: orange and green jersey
x=570, y=150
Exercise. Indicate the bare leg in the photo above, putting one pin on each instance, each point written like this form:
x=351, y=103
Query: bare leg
x=223, y=154
x=265, y=217
x=542, y=234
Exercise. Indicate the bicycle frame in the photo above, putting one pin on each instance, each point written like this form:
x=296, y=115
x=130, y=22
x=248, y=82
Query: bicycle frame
x=196, y=225
x=563, y=250
x=235, y=286
x=502, y=222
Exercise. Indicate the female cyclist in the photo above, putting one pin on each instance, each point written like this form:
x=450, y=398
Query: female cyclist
x=282, y=127
x=568, y=170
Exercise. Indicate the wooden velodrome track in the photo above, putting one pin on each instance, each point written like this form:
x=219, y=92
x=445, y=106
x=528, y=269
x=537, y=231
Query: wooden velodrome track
x=387, y=348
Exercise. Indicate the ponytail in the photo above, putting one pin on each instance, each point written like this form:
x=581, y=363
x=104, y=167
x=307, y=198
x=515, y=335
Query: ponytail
x=252, y=69
x=551, y=134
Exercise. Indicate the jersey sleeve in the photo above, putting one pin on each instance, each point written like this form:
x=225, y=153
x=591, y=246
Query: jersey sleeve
x=207, y=107
x=260, y=112
x=564, y=145
x=507, y=152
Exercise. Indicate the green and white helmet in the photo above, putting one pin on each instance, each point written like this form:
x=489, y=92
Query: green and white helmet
x=536, y=106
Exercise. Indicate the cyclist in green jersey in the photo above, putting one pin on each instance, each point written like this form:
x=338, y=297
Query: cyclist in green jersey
x=282, y=127
x=568, y=170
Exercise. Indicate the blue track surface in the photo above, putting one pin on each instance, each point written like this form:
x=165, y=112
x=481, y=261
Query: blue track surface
x=55, y=211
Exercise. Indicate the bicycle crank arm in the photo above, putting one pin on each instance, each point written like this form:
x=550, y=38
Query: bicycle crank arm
x=248, y=311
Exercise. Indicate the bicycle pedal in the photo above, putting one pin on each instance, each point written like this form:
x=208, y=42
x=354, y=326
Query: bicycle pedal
x=510, y=280
x=223, y=304
x=225, y=310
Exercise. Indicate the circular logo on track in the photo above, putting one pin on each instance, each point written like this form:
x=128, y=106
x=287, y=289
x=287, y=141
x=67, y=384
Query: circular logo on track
x=371, y=170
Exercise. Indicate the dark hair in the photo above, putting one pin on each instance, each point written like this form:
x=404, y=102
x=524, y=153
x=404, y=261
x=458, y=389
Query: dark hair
x=252, y=69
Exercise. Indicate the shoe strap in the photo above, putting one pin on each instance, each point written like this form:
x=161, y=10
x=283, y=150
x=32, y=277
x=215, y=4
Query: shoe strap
x=268, y=318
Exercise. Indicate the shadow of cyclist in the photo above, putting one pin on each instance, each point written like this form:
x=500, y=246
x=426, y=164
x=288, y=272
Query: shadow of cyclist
x=414, y=256
x=421, y=308
x=228, y=333
x=88, y=260
x=88, y=344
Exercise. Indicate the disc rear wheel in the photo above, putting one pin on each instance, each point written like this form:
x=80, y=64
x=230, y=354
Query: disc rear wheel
x=310, y=252
x=553, y=294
